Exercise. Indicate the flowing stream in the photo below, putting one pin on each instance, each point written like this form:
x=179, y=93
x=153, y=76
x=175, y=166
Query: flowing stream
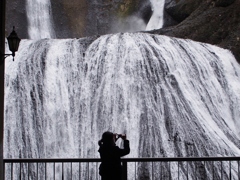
x=157, y=19
x=39, y=16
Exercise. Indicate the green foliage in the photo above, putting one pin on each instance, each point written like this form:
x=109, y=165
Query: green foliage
x=126, y=8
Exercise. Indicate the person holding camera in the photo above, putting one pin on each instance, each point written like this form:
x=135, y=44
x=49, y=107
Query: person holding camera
x=110, y=167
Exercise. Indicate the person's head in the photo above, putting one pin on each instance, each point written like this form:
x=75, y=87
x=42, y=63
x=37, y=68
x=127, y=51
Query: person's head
x=107, y=139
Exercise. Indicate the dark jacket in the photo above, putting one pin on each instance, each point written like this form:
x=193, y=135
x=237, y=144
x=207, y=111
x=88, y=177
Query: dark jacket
x=111, y=167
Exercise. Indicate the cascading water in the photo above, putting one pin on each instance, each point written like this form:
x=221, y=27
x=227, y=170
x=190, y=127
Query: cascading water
x=156, y=21
x=39, y=19
x=172, y=97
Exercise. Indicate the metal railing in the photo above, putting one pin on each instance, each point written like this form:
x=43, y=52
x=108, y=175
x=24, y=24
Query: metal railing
x=133, y=168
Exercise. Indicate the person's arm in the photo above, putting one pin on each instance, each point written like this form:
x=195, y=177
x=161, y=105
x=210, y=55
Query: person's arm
x=126, y=147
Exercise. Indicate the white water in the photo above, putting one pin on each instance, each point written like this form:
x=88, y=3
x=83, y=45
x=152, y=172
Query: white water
x=156, y=21
x=172, y=97
x=39, y=16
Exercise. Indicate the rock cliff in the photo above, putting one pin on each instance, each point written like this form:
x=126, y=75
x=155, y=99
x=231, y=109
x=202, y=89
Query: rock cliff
x=212, y=21
x=81, y=18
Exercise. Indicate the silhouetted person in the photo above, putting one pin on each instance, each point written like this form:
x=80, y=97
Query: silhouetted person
x=111, y=168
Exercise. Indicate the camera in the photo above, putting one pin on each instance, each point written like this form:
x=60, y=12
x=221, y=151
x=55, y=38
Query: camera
x=119, y=136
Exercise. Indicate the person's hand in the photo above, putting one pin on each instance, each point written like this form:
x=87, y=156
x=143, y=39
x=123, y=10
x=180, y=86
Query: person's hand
x=115, y=137
x=124, y=136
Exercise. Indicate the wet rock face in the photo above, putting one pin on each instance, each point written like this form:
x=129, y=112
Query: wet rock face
x=214, y=21
x=16, y=16
x=111, y=16
x=180, y=10
x=69, y=17
x=223, y=3
x=80, y=18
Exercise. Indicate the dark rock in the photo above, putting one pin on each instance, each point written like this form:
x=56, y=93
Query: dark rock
x=215, y=22
x=145, y=11
x=223, y=3
x=16, y=16
x=81, y=18
x=180, y=10
x=210, y=21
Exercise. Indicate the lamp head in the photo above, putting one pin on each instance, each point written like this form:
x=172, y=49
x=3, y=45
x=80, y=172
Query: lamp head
x=13, y=41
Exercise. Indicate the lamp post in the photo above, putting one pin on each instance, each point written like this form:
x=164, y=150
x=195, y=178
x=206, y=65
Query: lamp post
x=13, y=41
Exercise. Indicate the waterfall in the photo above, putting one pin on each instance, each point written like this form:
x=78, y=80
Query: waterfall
x=156, y=21
x=172, y=97
x=39, y=19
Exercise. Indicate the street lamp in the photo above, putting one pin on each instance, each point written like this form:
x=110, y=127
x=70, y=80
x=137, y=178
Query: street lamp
x=13, y=43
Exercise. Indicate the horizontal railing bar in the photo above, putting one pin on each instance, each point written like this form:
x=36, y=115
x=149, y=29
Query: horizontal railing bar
x=168, y=159
x=68, y=160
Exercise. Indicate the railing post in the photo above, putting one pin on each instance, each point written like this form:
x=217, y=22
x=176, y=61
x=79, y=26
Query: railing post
x=124, y=170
